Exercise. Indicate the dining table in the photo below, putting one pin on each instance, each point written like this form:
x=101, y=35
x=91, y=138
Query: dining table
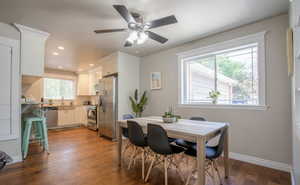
x=190, y=130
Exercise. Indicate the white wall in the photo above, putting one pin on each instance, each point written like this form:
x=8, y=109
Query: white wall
x=12, y=147
x=128, y=81
x=262, y=134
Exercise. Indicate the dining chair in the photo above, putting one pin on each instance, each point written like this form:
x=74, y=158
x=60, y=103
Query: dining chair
x=139, y=141
x=212, y=154
x=127, y=144
x=188, y=144
x=164, y=151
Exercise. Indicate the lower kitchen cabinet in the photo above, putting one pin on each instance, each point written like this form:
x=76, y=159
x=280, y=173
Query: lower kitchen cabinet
x=81, y=115
x=78, y=115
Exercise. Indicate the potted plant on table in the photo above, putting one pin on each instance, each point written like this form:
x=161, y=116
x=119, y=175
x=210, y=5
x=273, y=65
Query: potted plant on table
x=214, y=95
x=138, y=105
x=169, y=116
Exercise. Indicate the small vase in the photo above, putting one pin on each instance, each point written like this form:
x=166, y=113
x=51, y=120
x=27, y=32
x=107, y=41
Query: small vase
x=214, y=101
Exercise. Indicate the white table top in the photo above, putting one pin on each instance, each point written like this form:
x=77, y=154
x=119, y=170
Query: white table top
x=182, y=127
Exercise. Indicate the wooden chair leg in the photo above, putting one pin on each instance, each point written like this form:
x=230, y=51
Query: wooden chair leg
x=166, y=170
x=150, y=168
x=131, y=158
x=143, y=164
x=217, y=170
x=188, y=179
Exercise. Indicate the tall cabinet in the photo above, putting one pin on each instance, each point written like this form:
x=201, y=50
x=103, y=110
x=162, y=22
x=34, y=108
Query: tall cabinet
x=10, y=88
x=295, y=25
x=33, y=43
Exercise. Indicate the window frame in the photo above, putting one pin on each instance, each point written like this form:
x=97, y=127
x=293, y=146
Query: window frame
x=57, y=78
x=258, y=38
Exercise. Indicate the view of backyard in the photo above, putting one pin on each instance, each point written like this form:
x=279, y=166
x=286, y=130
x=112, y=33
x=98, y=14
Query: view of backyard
x=233, y=73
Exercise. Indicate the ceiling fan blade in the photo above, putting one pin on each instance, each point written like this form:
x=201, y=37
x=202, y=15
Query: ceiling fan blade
x=123, y=11
x=163, y=21
x=157, y=37
x=127, y=44
x=109, y=30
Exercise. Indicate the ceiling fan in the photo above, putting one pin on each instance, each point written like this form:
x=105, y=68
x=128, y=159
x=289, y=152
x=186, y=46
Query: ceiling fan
x=139, y=30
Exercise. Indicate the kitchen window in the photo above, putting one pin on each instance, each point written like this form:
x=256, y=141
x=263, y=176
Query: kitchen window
x=59, y=89
x=234, y=68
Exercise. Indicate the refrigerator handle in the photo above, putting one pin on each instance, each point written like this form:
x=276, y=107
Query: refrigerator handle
x=101, y=103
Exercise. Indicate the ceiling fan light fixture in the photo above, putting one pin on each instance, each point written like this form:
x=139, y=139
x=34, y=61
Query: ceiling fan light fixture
x=143, y=37
x=133, y=36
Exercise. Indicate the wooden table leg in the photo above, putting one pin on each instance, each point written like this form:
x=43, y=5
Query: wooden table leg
x=226, y=153
x=200, y=161
x=119, y=137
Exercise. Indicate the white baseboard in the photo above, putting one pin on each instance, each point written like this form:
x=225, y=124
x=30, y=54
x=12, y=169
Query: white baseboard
x=261, y=162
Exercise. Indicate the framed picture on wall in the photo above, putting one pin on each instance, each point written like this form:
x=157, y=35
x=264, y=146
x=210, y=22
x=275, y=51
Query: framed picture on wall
x=155, y=80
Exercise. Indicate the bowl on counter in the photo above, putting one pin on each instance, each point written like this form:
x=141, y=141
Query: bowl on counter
x=169, y=119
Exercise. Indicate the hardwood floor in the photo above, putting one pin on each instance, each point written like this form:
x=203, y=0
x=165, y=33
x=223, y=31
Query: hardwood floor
x=80, y=157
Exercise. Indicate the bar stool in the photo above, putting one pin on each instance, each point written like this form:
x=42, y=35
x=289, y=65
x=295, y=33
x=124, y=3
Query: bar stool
x=39, y=123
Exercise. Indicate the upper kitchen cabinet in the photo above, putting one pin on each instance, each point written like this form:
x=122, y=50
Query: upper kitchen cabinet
x=83, y=84
x=33, y=44
x=94, y=76
x=109, y=64
x=88, y=82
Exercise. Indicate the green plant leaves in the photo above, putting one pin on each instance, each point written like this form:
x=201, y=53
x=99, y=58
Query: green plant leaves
x=137, y=105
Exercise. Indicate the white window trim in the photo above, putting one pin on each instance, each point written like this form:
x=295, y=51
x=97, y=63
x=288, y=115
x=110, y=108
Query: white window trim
x=253, y=38
x=61, y=78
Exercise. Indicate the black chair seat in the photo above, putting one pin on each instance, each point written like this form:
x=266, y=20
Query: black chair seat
x=176, y=149
x=159, y=142
x=143, y=144
x=136, y=135
x=211, y=152
x=125, y=132
x=171, y=139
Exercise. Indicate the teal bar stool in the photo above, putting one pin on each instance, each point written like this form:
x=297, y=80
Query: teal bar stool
x=39, y=123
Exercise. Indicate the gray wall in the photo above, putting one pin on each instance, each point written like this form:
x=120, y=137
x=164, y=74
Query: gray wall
x=262, y=134
x=12, y=147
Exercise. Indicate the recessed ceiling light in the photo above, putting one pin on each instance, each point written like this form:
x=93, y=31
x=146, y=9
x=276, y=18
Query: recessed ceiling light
x=61, y=47
x=60, y=67
x=55, y=53
x=92, y=65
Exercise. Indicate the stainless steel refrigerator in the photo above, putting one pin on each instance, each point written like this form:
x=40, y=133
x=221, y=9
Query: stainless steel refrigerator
x=107, y=107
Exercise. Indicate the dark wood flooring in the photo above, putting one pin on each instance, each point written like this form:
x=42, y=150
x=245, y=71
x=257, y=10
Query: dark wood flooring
x=80, y=157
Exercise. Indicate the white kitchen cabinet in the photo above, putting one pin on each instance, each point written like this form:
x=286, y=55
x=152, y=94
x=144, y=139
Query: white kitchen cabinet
x=80, y=115
x=33, y=44
x=66, y=117
x=87, y=81
x=83, y=84
x=94, y=75
x=10, y=88
x=109, y=64
x=77, y=115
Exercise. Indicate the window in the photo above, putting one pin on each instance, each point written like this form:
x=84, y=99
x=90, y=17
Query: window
x=58, y=89
x=235, y=69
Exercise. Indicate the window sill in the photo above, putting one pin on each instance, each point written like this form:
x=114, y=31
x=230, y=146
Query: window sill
x=224, y=106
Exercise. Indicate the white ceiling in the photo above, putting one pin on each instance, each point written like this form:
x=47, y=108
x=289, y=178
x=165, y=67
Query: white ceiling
x=71, y=23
